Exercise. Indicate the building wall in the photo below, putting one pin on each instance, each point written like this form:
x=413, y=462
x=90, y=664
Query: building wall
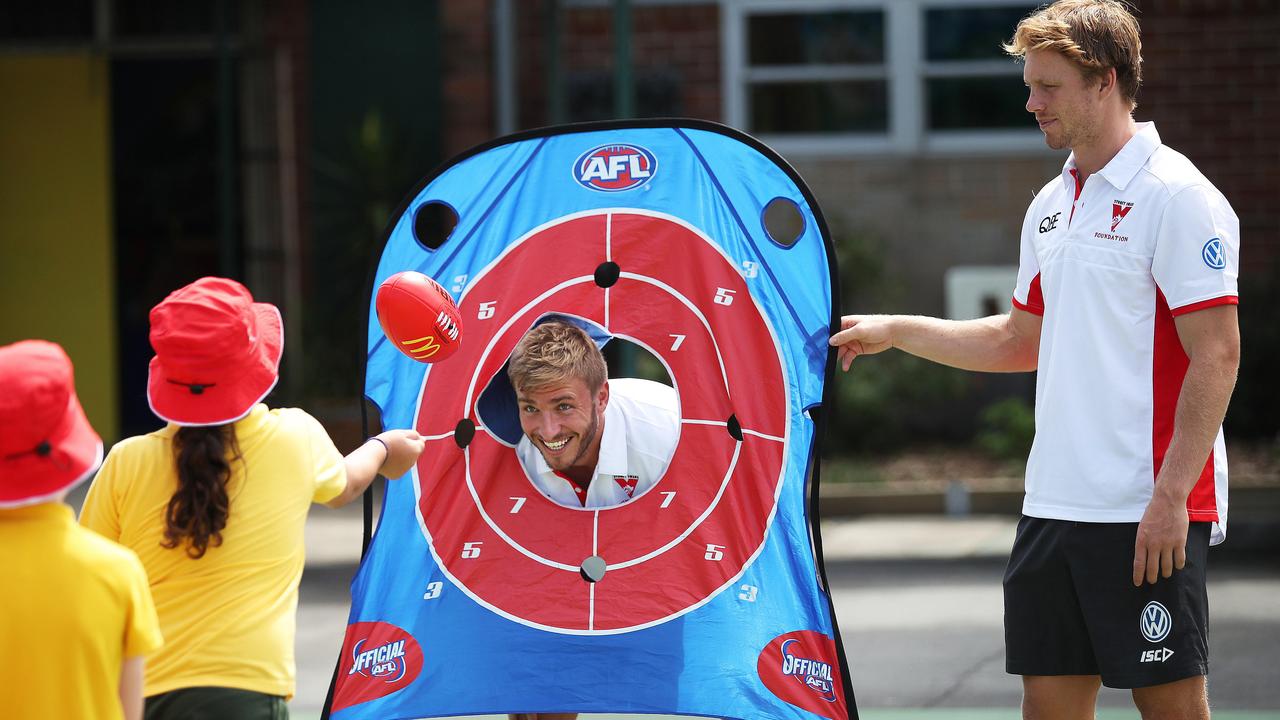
x=56, y=263
x=675, y=51
x=467, y=114
x=1212, y=83
x=911, y=219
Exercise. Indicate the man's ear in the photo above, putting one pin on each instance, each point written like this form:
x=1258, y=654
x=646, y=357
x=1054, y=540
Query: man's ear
x=602, y=396
x=1107, y=83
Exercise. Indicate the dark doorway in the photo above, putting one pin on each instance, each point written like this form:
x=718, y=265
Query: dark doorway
x=171, y=205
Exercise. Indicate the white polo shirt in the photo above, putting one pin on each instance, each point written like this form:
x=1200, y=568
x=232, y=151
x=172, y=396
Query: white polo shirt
x=641, y=429
x=1109, y=266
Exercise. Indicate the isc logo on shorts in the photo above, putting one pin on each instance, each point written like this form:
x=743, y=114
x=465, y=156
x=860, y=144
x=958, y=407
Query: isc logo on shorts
x=614, y=168
x=1155, y=622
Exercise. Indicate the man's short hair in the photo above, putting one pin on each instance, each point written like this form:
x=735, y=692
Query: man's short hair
x=1093, y=34
x=553, y=352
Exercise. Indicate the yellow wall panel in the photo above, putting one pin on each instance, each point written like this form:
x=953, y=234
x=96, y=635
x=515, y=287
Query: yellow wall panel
x=57, y=270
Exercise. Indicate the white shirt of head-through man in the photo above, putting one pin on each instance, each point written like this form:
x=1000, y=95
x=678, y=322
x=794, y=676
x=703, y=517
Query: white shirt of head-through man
x=602, y=449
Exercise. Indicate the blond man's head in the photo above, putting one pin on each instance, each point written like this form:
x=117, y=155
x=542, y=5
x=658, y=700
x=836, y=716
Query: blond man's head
x=1094, y=35
x=553, y=352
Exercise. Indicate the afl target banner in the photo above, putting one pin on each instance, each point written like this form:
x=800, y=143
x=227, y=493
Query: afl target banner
x=703, y=595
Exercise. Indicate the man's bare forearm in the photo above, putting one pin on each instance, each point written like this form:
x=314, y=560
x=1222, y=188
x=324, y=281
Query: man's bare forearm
x=1202, y=405
x=990, y=344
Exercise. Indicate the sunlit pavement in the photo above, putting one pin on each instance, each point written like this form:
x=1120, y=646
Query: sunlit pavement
x=919, y=606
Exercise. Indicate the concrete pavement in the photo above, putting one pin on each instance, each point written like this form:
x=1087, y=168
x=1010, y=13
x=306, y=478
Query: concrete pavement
x=918, y=601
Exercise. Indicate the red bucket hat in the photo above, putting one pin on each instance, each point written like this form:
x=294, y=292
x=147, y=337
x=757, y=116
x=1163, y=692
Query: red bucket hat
x=46, y=443
x=217, y=353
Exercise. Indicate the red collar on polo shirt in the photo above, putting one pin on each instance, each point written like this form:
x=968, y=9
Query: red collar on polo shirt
x=579, y=489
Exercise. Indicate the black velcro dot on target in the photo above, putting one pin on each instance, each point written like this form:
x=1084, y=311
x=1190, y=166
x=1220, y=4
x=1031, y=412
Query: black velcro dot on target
x=593, y=569
x=607, y=274
x=735, y=428
x=464, y=432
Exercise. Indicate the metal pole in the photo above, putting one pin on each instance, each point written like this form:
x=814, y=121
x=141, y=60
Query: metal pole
x=228, y=264
x=555, y=85
x=290, y=230
x=623, y=84
x=504, y=55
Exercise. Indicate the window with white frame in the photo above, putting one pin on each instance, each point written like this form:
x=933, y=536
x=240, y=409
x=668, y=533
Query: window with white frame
x=876, y=75
x=818, y=72
x=969, y=83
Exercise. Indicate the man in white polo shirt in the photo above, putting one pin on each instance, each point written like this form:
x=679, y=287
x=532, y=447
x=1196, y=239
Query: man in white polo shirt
x=1126, y=305
x=588, y=441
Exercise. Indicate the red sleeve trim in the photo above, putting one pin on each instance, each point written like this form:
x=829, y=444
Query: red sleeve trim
x=1028, y=308
x=1035, y=298
x=1212, y=302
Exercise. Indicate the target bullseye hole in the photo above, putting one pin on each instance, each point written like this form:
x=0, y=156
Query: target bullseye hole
x=607, y=274
x=433, y=223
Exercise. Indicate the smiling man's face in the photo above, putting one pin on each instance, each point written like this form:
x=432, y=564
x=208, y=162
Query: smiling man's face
x=564, y=421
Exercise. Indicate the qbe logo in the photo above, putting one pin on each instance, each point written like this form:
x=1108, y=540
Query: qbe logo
x=1155, y=622
x=614, y=168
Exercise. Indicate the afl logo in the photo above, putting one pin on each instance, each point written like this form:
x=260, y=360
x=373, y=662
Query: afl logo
x=1155, y=622
x=385, y=661
x=800, y=668
x=380, y=659
x=614, y=168
x=1215, y=256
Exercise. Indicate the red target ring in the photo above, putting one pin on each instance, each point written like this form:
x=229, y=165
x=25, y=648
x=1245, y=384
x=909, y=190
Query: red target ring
x=668, y=551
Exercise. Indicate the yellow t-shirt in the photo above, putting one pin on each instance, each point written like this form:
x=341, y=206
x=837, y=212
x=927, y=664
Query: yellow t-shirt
x=229, y=617
x=73, y=609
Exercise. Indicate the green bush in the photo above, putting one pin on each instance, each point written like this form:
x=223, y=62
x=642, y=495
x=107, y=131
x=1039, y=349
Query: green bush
x=890, y=401
x=1007, y=429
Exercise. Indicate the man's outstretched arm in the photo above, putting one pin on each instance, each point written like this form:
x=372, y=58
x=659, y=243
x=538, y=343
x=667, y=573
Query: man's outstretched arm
x=1000, y=343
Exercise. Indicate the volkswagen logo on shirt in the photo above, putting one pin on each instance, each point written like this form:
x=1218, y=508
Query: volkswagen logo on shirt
x=1156, y=622
x=1215, y=256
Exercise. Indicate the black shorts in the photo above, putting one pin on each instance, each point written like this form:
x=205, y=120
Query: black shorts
x=1070, y=607
x=215, y=703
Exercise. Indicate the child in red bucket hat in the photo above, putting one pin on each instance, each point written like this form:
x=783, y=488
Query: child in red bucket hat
x=215, y=503
x=70, y=591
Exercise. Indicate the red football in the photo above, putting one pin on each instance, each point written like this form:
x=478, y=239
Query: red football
x=419, y=316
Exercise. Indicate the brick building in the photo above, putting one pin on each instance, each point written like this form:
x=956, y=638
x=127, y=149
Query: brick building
x=902, y=116
x=146, y=144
